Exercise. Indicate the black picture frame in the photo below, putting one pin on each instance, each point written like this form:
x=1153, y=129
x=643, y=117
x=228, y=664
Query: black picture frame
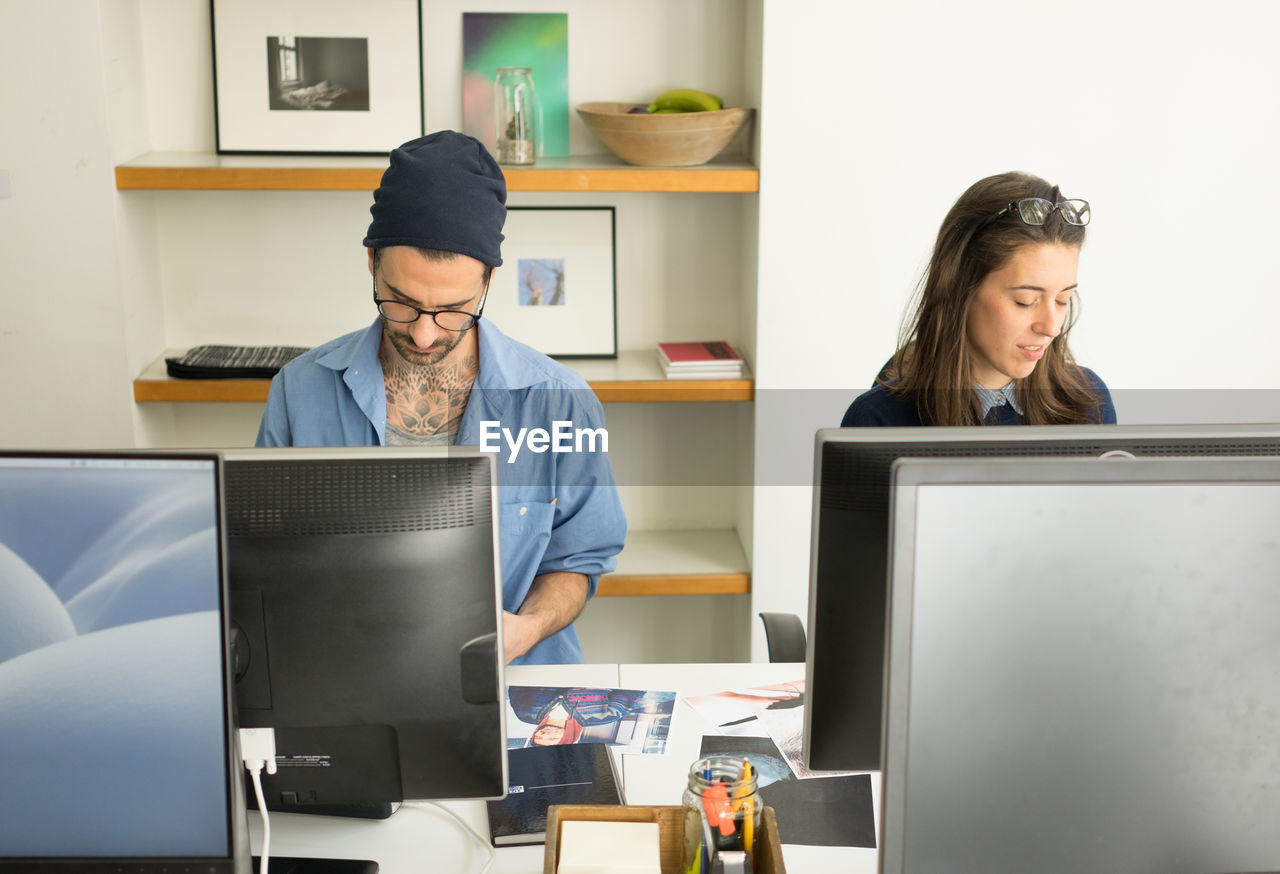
x=557, y=287
x=316, y=77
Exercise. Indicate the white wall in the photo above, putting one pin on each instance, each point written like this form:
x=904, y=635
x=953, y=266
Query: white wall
x=63, y=322
x=876, y=116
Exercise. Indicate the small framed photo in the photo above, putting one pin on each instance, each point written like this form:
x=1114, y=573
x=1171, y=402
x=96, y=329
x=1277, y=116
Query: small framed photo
x=555, y=289
x=316, y=76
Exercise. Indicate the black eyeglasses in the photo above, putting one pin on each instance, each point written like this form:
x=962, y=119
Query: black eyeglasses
x=447, y=320
x=1036, y=211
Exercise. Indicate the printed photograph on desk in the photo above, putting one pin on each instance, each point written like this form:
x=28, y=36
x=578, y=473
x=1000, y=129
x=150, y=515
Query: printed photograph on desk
x=786, y=729
x=737, y=711
x=637, y=721
x=833, y=811
x=775, y=711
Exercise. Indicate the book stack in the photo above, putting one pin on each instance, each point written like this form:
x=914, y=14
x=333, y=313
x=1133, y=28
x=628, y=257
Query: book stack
x=709, y=359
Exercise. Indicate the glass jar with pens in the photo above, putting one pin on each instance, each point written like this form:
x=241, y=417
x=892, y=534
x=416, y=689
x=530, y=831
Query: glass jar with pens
x=722, y=812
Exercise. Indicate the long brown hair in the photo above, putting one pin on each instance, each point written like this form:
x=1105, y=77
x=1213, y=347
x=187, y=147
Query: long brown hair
x=933, y=365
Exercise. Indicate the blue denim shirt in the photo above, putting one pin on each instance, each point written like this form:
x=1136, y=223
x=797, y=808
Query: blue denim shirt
x=558, y=510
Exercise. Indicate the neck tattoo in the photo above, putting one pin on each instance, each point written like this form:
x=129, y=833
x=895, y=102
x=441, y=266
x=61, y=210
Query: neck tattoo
x=427, y=399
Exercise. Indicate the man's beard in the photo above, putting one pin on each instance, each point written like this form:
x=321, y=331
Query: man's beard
x=436, y=352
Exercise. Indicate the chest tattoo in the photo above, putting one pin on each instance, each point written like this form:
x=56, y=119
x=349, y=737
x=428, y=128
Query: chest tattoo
x=428, y=399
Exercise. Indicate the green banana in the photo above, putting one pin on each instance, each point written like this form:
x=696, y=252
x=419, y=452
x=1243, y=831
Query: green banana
x=685, y=100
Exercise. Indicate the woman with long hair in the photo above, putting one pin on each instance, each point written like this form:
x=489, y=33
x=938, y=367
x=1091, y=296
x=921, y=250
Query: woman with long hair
x=987, y=340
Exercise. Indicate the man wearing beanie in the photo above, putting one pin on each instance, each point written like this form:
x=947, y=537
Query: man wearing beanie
x=430, y=371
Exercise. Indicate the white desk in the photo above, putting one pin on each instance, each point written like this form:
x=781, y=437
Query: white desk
x=422, y=840
x=648, y=775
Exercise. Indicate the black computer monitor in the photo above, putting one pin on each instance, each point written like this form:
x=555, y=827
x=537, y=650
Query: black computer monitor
x=366, y=602
x=1102, y=691
x=117, y=750
x=848, y=561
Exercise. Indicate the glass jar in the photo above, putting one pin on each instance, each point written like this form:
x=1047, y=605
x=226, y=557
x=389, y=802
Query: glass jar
x=722, y=811
x=515, y=108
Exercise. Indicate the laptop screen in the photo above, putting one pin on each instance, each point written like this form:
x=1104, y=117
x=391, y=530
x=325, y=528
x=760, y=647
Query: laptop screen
x=114, y=731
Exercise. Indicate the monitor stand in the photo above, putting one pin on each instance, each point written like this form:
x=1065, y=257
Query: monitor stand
x=302, y=865
x=320, y=865
x=371, y=810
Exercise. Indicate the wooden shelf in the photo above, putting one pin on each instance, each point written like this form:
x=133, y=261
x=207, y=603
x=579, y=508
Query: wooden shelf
x=206, y=171
x=155, y=385
x=708, y=562
x=634, y=377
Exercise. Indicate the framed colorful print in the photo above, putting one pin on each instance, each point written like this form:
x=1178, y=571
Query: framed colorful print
x=555, y=288
x=316, y=76
x=537, y=40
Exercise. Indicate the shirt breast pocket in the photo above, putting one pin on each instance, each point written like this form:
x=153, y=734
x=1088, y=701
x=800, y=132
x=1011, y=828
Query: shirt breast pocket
x=524, y=534
x=526, y=518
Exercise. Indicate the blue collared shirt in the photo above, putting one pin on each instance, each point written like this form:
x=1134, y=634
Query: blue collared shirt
x=990, y=398
x=558, y=510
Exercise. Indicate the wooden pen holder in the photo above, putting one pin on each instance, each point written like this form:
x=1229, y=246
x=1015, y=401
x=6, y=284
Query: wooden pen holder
x=670, y=820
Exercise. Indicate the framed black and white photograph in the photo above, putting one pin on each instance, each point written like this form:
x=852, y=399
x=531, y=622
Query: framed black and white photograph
x=555, y=288
x=316, y=76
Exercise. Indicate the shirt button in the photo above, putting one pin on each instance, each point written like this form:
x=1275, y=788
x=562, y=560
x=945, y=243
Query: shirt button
x=524, y=510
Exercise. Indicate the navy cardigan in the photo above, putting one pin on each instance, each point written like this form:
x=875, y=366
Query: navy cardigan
x=881, y=407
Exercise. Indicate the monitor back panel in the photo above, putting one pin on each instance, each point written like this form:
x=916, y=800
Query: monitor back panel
x=849, y=564
x=365, y=605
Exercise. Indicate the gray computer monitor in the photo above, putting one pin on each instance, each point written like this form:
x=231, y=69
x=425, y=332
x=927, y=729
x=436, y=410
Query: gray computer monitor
x=366, y=608
x=848, y=565
x=117, y=750
x=1084, y=668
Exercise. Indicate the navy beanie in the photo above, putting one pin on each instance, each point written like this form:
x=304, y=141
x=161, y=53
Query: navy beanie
x=442, y=191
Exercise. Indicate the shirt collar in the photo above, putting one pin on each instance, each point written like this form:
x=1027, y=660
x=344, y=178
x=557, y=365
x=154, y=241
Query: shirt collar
x=499, y=367
x=991, y=398
x=504, y=367
x=359, y=350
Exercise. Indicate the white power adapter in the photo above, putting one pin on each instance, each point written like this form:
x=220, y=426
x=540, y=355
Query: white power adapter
x=258, y=749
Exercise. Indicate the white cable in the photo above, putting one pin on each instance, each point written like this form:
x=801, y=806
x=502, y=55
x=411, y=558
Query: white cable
x=479, y=838
x=258, y=750
x=265, y=854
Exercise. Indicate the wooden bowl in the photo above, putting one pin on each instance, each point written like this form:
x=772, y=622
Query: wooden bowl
x=676, y=139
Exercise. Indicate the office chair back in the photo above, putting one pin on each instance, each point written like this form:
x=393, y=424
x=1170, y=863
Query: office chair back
x=784, y=635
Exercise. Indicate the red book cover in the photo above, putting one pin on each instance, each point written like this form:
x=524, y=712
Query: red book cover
x=712, y=352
